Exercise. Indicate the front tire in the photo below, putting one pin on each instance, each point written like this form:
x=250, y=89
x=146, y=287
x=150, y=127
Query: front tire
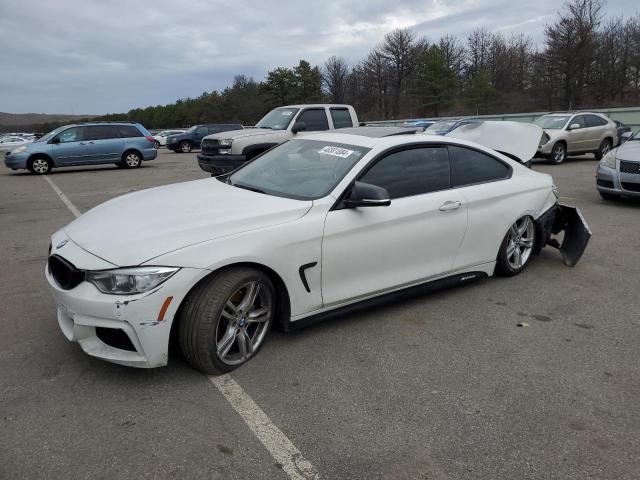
x=516, y=248
x=185, y=147
x=605, y=147
x=39, y=165
x=558, y=153
x=131, y=160
x=224, y=320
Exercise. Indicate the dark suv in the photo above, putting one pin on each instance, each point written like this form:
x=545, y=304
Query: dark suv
x=184, y=142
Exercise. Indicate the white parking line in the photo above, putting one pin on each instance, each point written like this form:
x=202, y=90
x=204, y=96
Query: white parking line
x=63, y=197
x=279, y=446
x=276, y=442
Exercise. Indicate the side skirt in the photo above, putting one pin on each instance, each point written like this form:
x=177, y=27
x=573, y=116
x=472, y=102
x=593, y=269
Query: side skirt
x=409, y=292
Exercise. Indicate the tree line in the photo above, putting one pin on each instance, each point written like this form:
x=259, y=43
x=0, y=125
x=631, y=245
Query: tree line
x=587, y=60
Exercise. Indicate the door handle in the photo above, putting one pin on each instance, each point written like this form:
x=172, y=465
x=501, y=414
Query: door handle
x=446, y=206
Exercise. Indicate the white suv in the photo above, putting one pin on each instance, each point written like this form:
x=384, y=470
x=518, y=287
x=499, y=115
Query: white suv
x=576, y=133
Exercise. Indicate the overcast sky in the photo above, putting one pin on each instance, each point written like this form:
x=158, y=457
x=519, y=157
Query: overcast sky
x=101, y=56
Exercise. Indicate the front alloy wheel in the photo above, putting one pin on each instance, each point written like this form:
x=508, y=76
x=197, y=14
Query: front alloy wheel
x=559, y=153
x=516, y=248
x=39, y=166
x=224, y=321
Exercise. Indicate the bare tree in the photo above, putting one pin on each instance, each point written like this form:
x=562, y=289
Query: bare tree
x=399, y=49
x=334, y=78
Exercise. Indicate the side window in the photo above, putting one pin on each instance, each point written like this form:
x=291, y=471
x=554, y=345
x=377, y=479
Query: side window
x=470, y=166
x=411, y=172
x=127, y=131
x=341, y=118
x=595, y=121
x=579, y=119
x=201, y=131
x=74, y=134
x=101, y=132
x=315, y=119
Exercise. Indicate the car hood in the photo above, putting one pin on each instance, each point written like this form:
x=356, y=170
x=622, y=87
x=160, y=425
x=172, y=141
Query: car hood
x=137, y=227
x=245, y=132
x=629, y=150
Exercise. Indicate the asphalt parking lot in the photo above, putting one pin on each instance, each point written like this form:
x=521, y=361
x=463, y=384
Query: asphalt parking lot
x=442, y=386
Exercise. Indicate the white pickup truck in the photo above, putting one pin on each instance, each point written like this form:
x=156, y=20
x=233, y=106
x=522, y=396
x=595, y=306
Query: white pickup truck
x=224, y=152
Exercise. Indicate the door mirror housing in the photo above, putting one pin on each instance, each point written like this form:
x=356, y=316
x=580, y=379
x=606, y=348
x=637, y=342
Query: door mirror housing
x=367, y=195
x=574, y=126
x=625, y=136
x=55, y=140
x=298, y=127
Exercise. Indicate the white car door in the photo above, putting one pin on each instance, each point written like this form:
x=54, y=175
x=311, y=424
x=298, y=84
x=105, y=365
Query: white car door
x=368, y=250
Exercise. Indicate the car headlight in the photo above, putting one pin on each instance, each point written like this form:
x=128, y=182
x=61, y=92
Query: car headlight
x=609, y=160
x=19, y=149
x=129, y=281
x=225, y=143
x=544, y=139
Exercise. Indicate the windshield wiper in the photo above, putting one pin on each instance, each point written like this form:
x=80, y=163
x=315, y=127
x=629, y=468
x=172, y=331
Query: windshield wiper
x=247, y=187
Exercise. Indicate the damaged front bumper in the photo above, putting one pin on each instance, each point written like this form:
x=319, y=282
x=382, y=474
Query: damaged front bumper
x=568, y=221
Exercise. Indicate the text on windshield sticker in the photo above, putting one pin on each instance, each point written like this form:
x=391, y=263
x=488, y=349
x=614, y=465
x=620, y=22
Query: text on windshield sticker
x=336, y=151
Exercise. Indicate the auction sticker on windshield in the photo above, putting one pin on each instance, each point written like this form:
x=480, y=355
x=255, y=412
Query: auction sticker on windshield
x=336, y=151
x=287, y=113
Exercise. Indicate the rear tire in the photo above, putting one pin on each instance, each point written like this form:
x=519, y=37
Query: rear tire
x=558, y=153
x=224, y=321
x=156, y=144
x=516, y=248
x=605, y=147
x=185, y=147
x=131, y=159
x=39, y=165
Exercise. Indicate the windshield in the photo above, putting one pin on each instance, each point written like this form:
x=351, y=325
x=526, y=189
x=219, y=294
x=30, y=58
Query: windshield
x=51, y=134
x=440, y=126
x=552, y=122
x=192, y=129
x=278, y=119
x=300, y=169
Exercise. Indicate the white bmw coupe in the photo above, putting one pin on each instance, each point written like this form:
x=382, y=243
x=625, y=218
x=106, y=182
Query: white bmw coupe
x=316, y=226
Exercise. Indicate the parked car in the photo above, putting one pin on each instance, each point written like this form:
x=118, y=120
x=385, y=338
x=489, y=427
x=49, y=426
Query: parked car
x=125, y=144
x=11, y=142
x=618, y=173
x=160, y=138
x=318, y=225
x=418, y=123
x=621, y=129
x=185, y=142
x=445, y=126
x=225, y=152
x=577, y=134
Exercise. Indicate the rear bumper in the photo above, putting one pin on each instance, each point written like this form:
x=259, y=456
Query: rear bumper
x=149, y=154
x=219, y=164
x=567, y=219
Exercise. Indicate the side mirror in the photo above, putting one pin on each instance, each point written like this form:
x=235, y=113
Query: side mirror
x=625, y=136
x=298, y=127
x=574, y=126
x=55, y=140
x=367, y=195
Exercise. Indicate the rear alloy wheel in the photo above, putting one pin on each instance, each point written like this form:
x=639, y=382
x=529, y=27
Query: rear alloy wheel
x=156, y=144
x=516, y=247
x=131, y=160
x=185, y=147
x=39, y=166
x=605, y=147
x=558, y=153
x=223, y=323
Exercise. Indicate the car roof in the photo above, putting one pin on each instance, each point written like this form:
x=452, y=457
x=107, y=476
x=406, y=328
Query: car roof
x=378, y=132
x=316, y=105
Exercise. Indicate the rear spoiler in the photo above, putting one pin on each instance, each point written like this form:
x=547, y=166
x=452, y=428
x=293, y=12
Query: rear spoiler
x=516, y=140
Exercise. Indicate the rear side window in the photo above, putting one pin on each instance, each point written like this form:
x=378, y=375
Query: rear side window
x=595, y=121
x=341, y=118
x=470, y=166
x=101, y=132
x=411, y=172
x=127, y=131
x=315, y=119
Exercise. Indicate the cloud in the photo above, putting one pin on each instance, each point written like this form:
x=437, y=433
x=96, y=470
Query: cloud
x=93, y=56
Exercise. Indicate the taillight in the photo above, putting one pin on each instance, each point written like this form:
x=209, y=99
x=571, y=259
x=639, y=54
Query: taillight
x=149, y=138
